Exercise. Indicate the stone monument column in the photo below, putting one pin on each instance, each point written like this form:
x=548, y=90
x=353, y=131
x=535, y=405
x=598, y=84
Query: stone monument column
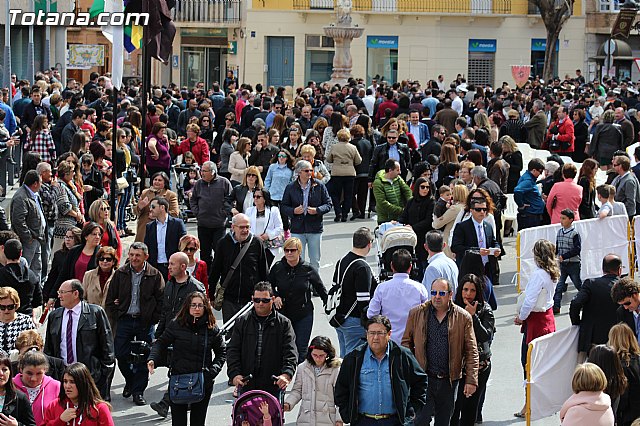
x=342, y=32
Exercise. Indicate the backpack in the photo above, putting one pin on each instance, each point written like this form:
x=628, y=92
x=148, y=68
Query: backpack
x=335, y=296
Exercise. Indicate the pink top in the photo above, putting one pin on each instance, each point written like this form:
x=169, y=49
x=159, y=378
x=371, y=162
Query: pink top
x=568, y=195
x=81, y=266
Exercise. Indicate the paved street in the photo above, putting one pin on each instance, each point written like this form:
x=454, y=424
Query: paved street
x=505, y=393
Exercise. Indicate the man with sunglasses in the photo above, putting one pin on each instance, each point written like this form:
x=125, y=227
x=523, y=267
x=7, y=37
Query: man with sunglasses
x=447, y=346
x=393, y=150
x=262, y=345
x=626, y=293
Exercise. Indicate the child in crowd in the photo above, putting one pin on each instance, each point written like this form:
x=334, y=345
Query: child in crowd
x=606, y=208
x=589, y=405
x=619, y=208
x=444, y=202
x=568, y=246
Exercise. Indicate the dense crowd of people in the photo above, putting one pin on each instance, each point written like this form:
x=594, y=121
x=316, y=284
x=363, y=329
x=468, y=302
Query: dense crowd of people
x=258, y=169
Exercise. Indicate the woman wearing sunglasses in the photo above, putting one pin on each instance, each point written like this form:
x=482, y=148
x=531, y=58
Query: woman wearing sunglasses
x=241, y=197
x=293, y=280
x=469, y=296
x=96, y=281
x=12, y=323
x=99, y=212
x=190, y=244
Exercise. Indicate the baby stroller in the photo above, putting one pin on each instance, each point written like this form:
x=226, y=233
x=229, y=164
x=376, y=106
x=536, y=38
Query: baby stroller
x=247, y=409
x=389, y=238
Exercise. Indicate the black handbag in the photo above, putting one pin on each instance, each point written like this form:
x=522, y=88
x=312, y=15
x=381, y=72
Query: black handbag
x=189, y=388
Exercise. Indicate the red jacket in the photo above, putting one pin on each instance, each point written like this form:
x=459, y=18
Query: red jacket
x=200, y=149
x=565, y=134
x=101, y=415
x=383, y=106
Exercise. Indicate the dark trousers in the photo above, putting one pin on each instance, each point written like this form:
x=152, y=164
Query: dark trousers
x=360, y=192
x=528, y=220
x=441, y=398
x=567, y=270
x=198, y=412
x=285, y=219
x=209, y=237
x=302, y=328
x=366, y=421
x=136, y=376
x=466, y=409
x=163, y=268
x=341, y=188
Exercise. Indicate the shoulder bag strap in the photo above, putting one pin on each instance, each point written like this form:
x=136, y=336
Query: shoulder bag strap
x=355, y=303
x=236, y=262
x=206, y=336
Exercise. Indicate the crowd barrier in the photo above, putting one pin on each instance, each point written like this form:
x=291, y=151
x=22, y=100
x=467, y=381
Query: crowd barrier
x=599, y=237
x=551, y=361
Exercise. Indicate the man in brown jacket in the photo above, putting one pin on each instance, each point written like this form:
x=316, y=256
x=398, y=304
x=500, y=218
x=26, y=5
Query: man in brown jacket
x=448, y=344
x=537, y=125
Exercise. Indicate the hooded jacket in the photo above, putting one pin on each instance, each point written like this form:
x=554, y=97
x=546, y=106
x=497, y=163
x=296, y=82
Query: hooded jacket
x=25, y=282
x=48, y=392
x=587, y=408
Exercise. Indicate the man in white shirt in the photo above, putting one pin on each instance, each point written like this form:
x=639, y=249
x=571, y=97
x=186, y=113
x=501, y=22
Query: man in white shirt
x=440, y=265
x=456, y=103
x=395, y=298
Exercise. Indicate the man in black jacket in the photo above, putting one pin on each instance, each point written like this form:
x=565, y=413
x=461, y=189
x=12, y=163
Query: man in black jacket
x=262, y=344
x=17, y=275
x=134, y=300
x=92, y=342
x=252, y=268
x=263, y=153
x=626, y=293
x=176, y=291
x=390, y=149
x=598, y=310
x=398, y=397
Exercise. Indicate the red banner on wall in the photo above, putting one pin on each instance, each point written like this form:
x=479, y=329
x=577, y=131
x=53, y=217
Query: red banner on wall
x=520, y=74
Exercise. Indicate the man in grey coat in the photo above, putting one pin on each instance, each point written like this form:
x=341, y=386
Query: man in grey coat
x=537, y=125
x=28, y=221
x=626, y=184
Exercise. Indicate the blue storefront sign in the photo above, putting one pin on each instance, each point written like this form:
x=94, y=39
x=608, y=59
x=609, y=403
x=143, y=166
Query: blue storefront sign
x=482, y=45
x=382, y=42
x=540, y=44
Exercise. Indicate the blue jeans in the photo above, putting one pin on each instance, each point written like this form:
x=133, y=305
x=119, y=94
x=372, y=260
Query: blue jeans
x=125, y=199
x=302, y=328
x=310, y=243
x=570, y=270
x=136, y=376
x=350, y=335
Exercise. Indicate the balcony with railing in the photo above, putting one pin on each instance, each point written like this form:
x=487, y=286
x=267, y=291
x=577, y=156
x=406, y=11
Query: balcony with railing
x=488, y=7
x=207, y=11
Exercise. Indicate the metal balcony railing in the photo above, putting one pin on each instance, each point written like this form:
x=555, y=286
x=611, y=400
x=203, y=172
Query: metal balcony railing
x=500, y=7
x=220, y=11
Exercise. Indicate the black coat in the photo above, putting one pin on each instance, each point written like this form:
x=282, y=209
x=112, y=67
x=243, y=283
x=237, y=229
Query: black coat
x=174, y=296
x=581, y=133
x=188, y=348
x=94, y=178
x=419, y=214
x=293, y=285
x=598, y=311
x=365, y=149
x=25, y=282
x=587, y=208
x=465, y=238
x=629, y=407
x=515, y=169
x=175, y=231
x=408, y=383
x=236, y=199
x=19, y=408
x=484, y=327
x=381, y=155
x=279, y=354
x=57, y=263
x=94, y=340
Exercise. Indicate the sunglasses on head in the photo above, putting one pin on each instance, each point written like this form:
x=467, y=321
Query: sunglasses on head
x=264, y=300
x=440, y=293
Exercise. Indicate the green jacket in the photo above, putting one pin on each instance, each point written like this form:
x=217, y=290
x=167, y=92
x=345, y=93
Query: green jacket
x=391, y=197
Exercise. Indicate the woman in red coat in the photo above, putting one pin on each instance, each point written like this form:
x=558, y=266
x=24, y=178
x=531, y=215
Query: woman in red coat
x=560, y=137
x=193, y=143
x=79, y=401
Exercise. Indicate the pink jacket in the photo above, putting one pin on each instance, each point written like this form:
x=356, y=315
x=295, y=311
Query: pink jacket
x=587, y=408
x=568, y=195
x=49, y=391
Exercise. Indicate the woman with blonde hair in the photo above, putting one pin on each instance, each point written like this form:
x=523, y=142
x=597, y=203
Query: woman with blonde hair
x=460, y=194
x=481, y=121
x=96, y=281
x=513, y=156
x=320, y=171
x=241, y=197
x=344, y=157
x=588, y=405
x=239, y=161
x=99, y=212
x=625, y=342
x=535, y=315
x=190, y=244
